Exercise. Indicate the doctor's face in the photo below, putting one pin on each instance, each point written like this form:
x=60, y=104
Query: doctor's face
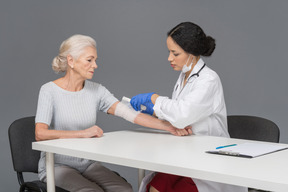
x=177, y=56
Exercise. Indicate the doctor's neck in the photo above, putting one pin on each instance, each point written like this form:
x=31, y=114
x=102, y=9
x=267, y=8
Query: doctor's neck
x=194, y=61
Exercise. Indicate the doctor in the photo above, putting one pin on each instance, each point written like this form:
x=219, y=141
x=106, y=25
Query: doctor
x=197, y=100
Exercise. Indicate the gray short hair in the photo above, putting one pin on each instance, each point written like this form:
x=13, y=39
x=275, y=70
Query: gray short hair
x=74, y=46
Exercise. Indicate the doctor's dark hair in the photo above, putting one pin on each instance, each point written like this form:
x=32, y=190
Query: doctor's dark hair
x=192, y=39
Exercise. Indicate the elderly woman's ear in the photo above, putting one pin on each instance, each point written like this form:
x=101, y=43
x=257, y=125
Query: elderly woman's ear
x=70, y=61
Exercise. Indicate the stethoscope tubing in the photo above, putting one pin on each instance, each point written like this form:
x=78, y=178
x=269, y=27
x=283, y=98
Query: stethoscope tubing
x=195, y=74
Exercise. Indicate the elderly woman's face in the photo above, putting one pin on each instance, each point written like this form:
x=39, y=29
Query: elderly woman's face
x=86, y=63
x=177, y=56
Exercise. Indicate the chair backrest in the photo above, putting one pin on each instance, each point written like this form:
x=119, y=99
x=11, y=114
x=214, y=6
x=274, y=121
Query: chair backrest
x=21, y=135
x=253, y=128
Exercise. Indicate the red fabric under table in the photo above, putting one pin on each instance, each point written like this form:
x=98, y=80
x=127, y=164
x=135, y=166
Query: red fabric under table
x=164, y=182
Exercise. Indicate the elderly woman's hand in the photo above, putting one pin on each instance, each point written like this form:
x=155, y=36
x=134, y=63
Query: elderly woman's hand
x=93, y=131
x=176, y=131
x=181, y=132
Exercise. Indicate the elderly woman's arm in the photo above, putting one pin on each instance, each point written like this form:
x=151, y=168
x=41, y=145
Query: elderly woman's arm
x=42, y=132
x=150, y=121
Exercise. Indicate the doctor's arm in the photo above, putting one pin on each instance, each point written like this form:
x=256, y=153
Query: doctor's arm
x=154, y=98
x=145, y=120
x=189, y=109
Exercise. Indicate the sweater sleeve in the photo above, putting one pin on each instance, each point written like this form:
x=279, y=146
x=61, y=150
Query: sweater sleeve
x=44, y=107
x=107, y=99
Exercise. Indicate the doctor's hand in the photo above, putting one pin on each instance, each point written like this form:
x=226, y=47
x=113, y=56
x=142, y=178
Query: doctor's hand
x=149, y=108
x=142, y=99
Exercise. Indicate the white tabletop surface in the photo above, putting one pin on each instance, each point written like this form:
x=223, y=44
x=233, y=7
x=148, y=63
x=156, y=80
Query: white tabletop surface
x=163, y=152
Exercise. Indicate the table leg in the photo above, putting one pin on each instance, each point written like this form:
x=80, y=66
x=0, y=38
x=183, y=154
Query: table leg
x=141, y=175
x=50, y=172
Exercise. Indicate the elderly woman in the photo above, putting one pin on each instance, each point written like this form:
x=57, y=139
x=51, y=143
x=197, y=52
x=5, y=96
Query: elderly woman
x=67, y=108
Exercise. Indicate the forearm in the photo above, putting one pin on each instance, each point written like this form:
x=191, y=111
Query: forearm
x=151, y=122
x=147, y=120
x=42, y=132
x=58, y=134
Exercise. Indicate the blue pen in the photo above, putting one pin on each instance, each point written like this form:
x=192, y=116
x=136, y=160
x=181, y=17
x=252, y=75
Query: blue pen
x=225, y=146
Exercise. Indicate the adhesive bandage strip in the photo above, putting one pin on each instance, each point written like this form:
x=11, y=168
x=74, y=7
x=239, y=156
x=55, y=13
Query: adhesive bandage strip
x=126, y=99
x=126, y=112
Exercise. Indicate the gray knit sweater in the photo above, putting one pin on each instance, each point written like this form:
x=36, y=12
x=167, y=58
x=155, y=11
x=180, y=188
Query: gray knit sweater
x=65, y=110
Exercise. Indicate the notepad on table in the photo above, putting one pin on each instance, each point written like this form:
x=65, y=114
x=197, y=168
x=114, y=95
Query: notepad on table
x=249, y=150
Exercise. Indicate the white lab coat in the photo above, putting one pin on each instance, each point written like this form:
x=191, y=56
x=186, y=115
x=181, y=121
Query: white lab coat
x=200, y=103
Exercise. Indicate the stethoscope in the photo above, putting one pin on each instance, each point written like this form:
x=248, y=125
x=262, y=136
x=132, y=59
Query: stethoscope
x=195, y=74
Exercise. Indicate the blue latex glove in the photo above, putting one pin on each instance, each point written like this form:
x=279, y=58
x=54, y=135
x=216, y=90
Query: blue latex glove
x=149, y=108
x=141, y=99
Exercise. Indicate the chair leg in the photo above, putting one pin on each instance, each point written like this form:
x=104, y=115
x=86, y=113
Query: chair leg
x=22, y=188
x=20, y=178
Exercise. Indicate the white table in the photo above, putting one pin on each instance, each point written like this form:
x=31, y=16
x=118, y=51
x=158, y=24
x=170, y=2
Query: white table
x=150, y=150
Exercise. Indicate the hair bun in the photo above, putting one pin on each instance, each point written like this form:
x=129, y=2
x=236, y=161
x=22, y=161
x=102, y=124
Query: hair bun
x=192, y=39
x=210, y=45
x=56, y=65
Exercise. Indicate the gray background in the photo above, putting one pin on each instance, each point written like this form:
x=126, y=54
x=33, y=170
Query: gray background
x=250, y=57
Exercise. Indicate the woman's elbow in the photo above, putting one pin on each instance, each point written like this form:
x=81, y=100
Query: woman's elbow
x=40, y=132
x=38, y=136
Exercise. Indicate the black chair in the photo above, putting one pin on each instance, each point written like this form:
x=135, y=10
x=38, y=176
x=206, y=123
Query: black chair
x=252, y=128
x=21, y=135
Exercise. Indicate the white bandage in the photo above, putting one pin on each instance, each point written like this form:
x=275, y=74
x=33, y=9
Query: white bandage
x=126, y=111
